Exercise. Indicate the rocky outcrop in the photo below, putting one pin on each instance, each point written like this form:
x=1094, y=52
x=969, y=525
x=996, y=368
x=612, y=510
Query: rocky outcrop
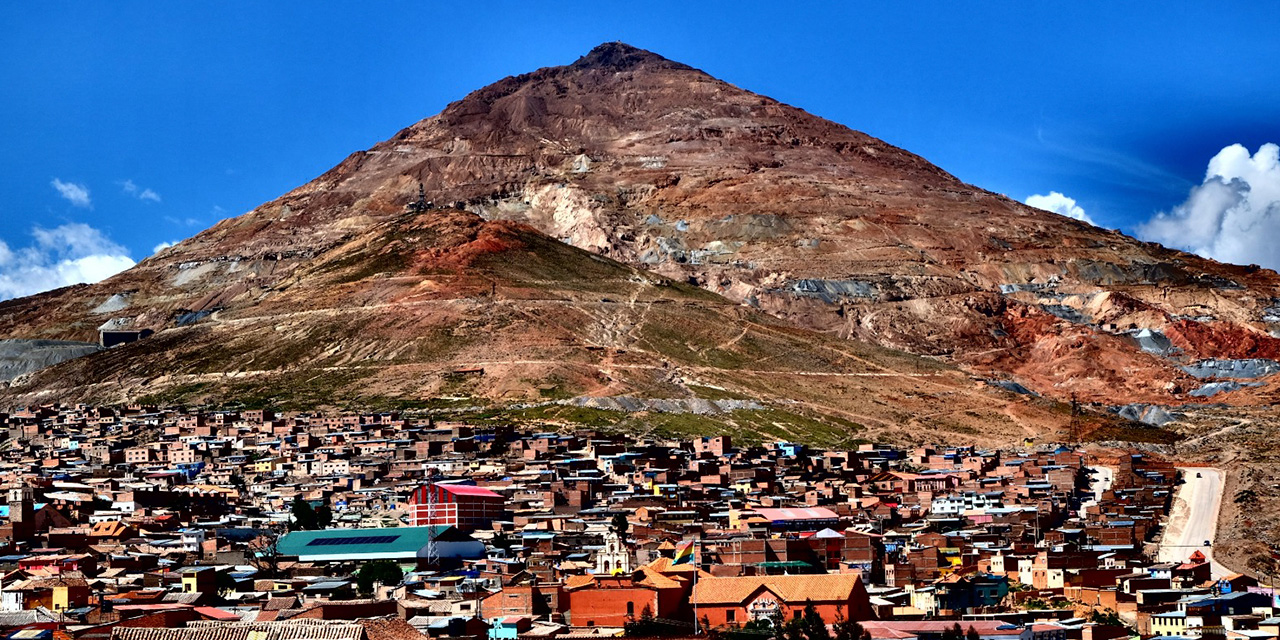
x=660, y=166
x=20, y=357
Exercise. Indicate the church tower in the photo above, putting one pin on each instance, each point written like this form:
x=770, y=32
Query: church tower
x=22, y=516
x=615, y=557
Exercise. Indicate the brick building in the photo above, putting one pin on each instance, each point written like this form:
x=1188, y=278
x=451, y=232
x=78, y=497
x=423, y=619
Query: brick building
x=735, y=601
x=464, y=506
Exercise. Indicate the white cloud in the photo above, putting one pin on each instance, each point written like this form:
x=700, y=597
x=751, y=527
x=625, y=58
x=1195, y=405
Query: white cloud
x=164, y=245
x=76, y=194
x=68, y=254
x=1059, y=204
x=1233, y=216
x=134, y=190
x=190, y=222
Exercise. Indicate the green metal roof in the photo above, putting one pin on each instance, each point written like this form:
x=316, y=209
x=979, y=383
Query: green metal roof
x=784, y=564
x=359, y=544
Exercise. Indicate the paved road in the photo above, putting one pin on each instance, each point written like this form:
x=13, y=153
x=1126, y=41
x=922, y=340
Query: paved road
x=1194, y=518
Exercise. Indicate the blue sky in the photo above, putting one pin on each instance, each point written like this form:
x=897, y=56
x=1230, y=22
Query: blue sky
x=174, y=115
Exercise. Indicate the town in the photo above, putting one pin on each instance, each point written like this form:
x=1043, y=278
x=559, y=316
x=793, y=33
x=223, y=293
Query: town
x=142, y=523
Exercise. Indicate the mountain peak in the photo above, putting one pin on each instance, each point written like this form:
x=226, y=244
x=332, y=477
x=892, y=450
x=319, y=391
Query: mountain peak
x=620, y=56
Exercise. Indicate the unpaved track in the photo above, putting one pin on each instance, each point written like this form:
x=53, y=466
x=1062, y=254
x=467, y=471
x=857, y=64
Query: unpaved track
x=1194, y=518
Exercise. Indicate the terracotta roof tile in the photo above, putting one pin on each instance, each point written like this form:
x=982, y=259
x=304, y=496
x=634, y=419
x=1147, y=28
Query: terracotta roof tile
x=819, y=588
x=214, y=630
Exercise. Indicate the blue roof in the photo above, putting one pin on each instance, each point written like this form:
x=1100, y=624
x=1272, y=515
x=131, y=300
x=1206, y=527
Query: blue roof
x=391, y=542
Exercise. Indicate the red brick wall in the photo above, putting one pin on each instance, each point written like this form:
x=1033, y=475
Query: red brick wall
x=608, y=607
x=718, y=615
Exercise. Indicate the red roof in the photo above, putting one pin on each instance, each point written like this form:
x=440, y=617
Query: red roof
x=216, y=613
x=468, y=490
x=811, y=513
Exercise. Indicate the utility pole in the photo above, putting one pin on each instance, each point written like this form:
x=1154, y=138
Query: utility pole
x=697, y=566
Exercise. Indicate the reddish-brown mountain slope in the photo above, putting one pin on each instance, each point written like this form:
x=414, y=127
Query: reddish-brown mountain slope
x=423, y=306
x=658, y=165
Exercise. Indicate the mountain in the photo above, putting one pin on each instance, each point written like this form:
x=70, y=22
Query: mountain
x=659, y=165
x=630, y=227
x=437, y=307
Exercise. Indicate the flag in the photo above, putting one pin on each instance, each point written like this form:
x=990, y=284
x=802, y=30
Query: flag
x=684, y=553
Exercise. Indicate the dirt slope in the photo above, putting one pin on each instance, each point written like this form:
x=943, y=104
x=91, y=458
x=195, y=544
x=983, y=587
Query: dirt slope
x=442, y=304
x=688, y=180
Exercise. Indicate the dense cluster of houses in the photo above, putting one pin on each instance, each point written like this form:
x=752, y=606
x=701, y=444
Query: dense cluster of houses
x=139, y=523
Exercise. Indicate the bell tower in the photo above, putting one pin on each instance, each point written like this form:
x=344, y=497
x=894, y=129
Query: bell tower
x=615, y=557
x=22, y=513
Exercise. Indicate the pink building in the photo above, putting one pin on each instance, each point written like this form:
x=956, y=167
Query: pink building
x=464, y=506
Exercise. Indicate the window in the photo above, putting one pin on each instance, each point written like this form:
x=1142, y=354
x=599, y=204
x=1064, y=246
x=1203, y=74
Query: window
x=731, y=616
x=631, y=609
x=795, y=615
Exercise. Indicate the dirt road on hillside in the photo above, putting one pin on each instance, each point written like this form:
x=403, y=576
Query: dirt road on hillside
x=1193, y=521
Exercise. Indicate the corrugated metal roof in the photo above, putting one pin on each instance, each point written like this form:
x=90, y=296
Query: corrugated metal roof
x=809, y=513
x=468, y=490
x=276, y=630
x=391, y=542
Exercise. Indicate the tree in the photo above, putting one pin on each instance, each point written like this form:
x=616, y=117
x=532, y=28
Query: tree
x=324, y=517
x=619, y=525
x=815, y=628
x=757, y=629
x=849, y=629
x=972, y=634
x=224, y=583
x=502, y=541
x=1106, y=617
x=953, y=633
x=1033, y=604
x=642, y=628
x=383, y=572
x=264, y=553
x=808, y=626
x=788, y=629
x=499, y=445
x=305, y=517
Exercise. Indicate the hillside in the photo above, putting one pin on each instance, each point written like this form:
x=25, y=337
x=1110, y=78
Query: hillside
x=712, y=238
x=441, y=309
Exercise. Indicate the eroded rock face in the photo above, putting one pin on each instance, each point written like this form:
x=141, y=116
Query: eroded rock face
x=439, y=303
x=20, y=357
x=659, y=165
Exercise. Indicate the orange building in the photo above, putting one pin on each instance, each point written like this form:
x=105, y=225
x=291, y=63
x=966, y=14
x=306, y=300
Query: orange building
x=733, y=602
x=612, y=601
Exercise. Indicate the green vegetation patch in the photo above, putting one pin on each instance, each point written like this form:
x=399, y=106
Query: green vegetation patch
x=748, y=426
x=1134, y=432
